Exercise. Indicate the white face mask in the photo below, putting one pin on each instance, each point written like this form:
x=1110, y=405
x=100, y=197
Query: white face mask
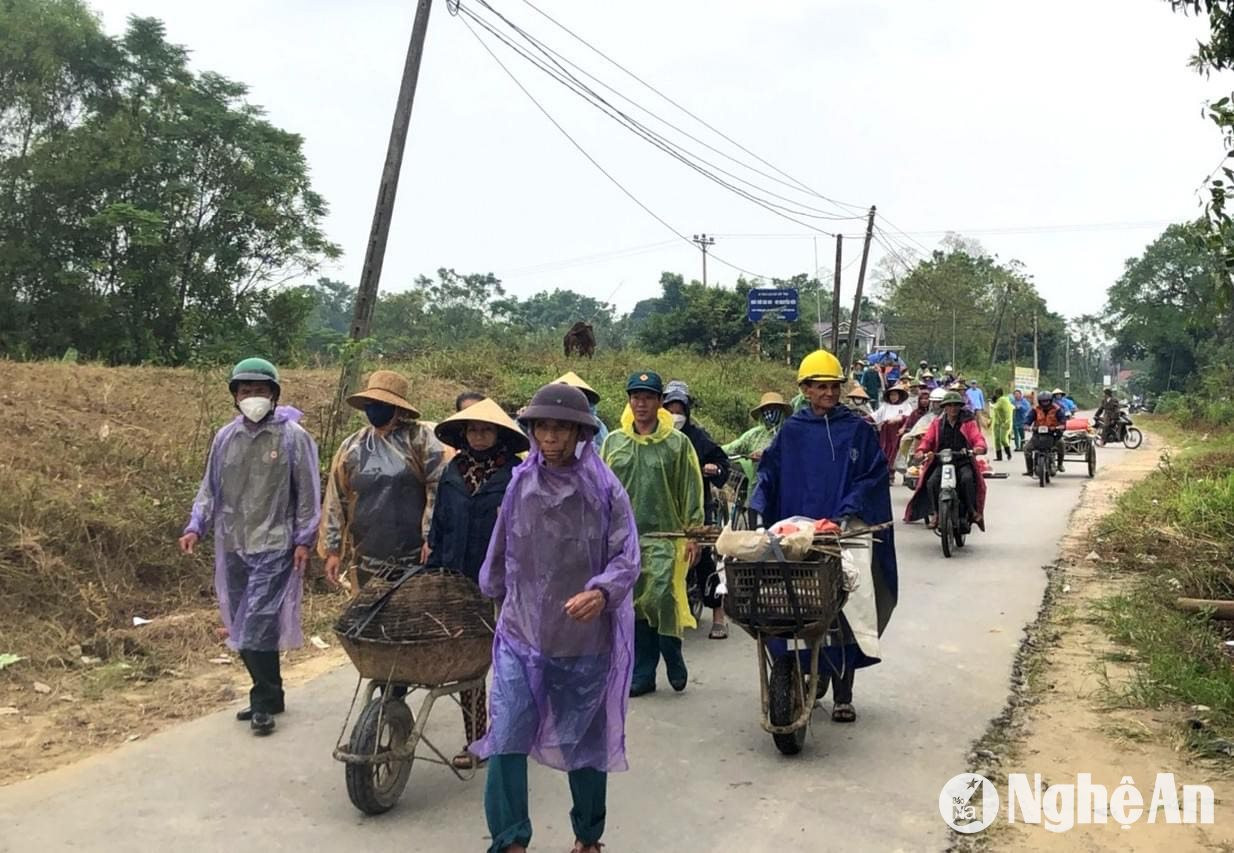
x=679, y=421
x=255, y=408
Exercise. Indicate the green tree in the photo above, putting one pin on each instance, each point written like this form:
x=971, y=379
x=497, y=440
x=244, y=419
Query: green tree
x=1162, y=308
x=147, y=207
x=1217, y=54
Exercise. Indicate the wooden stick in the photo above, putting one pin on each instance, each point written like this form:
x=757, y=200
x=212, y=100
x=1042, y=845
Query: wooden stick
x=1223, y=610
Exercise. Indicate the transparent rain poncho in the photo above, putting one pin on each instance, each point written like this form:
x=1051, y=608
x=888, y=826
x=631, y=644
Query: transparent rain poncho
x=560, y=686
x=260, y=494
x=380, y=493
x=661, y=474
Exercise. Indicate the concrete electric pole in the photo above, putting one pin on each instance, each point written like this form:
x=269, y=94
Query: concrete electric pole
x=704, y=242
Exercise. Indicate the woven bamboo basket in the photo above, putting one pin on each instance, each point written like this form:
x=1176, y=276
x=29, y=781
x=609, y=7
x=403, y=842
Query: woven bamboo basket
x=785, y=597
x=434, y=629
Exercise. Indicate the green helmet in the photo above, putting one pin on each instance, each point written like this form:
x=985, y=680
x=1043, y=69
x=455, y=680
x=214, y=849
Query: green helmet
x=952, y=398
x=254, y=370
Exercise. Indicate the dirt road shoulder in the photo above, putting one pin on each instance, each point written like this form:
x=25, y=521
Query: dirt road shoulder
x=1064, y=717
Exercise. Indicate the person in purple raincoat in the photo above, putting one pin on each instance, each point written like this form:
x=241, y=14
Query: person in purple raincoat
x=563, y=561
x=260, y=496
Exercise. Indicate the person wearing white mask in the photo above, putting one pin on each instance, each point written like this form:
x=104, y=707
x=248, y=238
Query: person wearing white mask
x=260, y=495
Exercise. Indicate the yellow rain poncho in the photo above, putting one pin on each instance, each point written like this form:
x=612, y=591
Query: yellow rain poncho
x=661, y=475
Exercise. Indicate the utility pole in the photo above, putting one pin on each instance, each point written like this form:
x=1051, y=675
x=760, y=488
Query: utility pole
x=835, y=301
x=861, y=280
x=1067, y=363
x=379, y=233
x=818, y=295
x=704, y=242
x=953, y=326
x=1036, y=361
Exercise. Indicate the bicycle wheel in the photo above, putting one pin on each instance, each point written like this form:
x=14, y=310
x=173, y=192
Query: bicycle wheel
x=784, y=705
x=381, y=726
x=1133, y=439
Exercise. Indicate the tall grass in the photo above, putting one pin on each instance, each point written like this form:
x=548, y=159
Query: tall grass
x=1174, y=532
x=100, y=466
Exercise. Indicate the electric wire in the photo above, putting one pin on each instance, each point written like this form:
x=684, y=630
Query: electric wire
x=558, y=58
x=665, y=145
x=630, y=195
x=852, y=208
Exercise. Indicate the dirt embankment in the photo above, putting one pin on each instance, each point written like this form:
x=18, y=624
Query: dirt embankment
x=1066, y=718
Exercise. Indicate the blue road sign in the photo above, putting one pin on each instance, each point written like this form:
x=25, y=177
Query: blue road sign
x=778, y=303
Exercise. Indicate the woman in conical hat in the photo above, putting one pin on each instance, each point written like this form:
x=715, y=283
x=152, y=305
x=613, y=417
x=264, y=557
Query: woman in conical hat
x=488, y=442
x=593, y=401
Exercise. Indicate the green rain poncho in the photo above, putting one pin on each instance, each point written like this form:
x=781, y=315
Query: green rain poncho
x=1002, y=420
x=661, y=475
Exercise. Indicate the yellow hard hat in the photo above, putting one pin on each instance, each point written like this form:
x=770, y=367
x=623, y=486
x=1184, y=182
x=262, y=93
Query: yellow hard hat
x=820, y=366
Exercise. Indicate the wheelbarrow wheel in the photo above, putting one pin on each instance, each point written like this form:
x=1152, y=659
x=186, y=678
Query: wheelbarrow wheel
x=381, y=726
x=784, y=699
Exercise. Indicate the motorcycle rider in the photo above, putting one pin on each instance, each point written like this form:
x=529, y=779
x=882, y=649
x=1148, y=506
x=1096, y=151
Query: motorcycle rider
x=1108, y=414
x=956, y=429
x=1045, y=413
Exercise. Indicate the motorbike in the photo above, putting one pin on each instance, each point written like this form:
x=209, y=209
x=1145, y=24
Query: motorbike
x=1045, y=456
x=1121, y=430
x=953, y=523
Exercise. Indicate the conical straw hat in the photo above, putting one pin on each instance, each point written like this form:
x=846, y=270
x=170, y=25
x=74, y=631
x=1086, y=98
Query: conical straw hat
x=452, y=430
x=575, y=381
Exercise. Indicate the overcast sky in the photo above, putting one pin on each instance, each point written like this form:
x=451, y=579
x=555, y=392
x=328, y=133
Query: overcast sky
x=987, y=118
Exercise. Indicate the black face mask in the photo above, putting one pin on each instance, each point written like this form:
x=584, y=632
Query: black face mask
x=772, y=418
x=379, y=414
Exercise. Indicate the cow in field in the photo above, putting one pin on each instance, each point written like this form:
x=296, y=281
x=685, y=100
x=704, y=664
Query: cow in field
x=580, y=340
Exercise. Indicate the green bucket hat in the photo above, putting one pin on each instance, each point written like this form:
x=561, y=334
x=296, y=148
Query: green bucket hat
x=953, y=398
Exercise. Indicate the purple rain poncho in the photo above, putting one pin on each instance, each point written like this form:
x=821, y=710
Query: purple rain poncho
x=560, y=687
x=261, y=494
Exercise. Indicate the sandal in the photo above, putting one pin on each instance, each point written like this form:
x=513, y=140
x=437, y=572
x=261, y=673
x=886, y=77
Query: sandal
x=719, y=631
x=843, y=712
x=466, y=761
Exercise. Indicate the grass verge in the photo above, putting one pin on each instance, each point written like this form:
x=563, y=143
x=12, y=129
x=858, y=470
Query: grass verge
x=1171, y=536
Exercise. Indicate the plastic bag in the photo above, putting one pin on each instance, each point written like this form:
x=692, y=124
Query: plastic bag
x=744, y=546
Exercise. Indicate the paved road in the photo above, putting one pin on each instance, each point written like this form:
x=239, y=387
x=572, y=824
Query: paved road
x=705, y=776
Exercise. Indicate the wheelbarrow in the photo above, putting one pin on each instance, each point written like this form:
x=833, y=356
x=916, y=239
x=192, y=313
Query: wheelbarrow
x=384, y=633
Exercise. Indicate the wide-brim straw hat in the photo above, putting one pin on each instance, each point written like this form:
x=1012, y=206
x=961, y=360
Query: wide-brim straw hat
x=771, y=400
x=575, y=381
x=385, y=386
x=559, y=402
x=453, y=430
x=901, y=387
x=858, y=392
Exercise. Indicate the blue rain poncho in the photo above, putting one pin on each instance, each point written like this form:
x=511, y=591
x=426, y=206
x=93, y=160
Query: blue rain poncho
x=260, y=495
x=560, y=686
x=831, y=466
x=661, y=474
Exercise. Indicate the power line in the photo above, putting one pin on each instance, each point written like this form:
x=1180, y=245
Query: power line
x=583, y=260
x=557, y=58
x=666, y=145
x=591, y=159
x=859, y=210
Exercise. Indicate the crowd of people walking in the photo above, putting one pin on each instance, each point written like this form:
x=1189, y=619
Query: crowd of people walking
x=581, y=534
